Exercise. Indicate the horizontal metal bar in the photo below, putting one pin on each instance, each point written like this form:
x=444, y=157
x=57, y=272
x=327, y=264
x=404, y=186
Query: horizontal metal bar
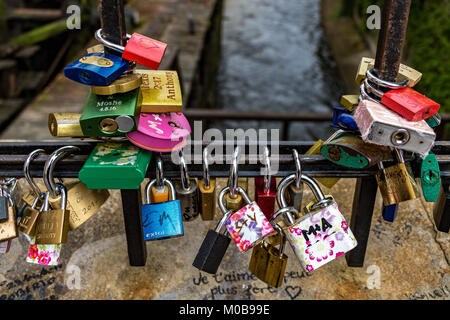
x=14, y=154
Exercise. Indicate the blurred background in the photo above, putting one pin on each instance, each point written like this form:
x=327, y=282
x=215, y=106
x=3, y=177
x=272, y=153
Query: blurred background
x=280, y=57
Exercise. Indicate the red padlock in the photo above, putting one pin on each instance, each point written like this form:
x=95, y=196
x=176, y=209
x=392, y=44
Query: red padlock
x=144, y=50
x=265, y=196
x=403, y=100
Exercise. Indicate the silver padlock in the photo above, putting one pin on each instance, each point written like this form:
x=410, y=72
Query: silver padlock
x=187, y=192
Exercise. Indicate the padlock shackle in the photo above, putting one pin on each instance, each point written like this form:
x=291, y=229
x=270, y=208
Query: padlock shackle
x=364, y=95
x=185, y=180
x=298, y=168
x=49, y=167
x=286, y=212
x=221, y=198
x=282, y=238
x=373, y=90
x=206, y=175
x=159, y=174
x=234, y=174
x=45, y=202
x=26, y=172
x=267, y=171
x=63, y=192
x=109, y=44
x=317, y=192
x=152, y=183
x=372, y=75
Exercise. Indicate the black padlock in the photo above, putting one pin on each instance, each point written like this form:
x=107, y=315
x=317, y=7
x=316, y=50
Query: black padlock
x=216, y=243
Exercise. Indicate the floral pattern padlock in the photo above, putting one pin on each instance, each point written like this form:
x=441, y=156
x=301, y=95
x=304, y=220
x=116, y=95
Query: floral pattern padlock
x=248, y=226
x=43, y=254
x=320, y=237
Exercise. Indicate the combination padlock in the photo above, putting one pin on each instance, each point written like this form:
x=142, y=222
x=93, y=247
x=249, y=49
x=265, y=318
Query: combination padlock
x=96, y=69
x=395, y=182
x=207, y=188
x=187, y=192
x=405, y=101
x=349, y=150
x=53, y=225
x=161, y=91
x=215, y=244
x=114, y=165
x=161, y=220
x=320, y=236
x=381, y=126
x=141, y=49
x=112, y=115
x=268, y=263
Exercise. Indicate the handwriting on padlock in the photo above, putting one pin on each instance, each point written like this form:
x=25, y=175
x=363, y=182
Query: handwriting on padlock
x=312, y=229
x=243, y=222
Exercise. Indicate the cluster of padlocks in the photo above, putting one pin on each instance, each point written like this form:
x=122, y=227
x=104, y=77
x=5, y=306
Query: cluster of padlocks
x=384, y=121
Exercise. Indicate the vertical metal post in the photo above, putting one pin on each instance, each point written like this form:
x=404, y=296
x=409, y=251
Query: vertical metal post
x=441, y=211
x=131, y=204
x=112, y=19
x=391, y=41
x=362, y=211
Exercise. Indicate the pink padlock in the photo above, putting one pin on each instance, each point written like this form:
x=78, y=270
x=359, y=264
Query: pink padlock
x=161, y=132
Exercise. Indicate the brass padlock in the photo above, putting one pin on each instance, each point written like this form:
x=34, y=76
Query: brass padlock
x=207, y=188
x=53, y=225
x=315, y=149
x=395, y=182
x=27, y=224
x=268, y=263
x=65, y=124
x=350, y=102
x=8, y=228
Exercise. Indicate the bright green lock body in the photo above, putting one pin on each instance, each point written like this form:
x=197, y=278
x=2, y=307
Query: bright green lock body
x=430, y=178
x=111, y=115
x=113, y=165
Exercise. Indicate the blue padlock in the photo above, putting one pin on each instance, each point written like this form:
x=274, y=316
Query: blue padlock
x=96, y=69
x=162, y=220
x=390, y=212
x=342, y=119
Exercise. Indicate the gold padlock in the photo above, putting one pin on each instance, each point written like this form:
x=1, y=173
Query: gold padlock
x=268, y=263
x=28, y=221
x=350, y=102
x=53, y=225
x=8, y=228
x=125, y=83
x=404, y=73
x=395, y=182
x=65, y=124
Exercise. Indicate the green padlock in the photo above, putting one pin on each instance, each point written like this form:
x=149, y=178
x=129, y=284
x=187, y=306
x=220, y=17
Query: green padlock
x=430, y=177
x=434, y=120
x=349, y=150
x=111, y=115
x=113, y=165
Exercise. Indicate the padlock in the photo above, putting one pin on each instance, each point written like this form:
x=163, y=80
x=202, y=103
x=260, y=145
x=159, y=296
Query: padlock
x=215, y=244
x=268, y=263
x=294, y=193
x=65, y=124
x=248, y=226
x=320, y=236
x=395, y=182
x=53, y=225
x=144, y=50
x=350, y=102
x=186, y=191
x=434, y=120
x=161, y=220
x=111, y=115
x=343, y=119
x=266, y=188
x=309, y=207
x=43, y=254
x=389, y=212
x=161, y=132
x=315, y=150
x=8, y=228
x=207, y=188
x=3, y=207
x=4, y=246
x=430, y=177
x=161, y=91
x=97, y=48
x=27, y=223
x=381, y=126
x=125, y=83
x=405, y=73
x=349, y=150
x=96, y=69
x=114, y=165
x=82, y=203
x=403, y=100
x=159, y=191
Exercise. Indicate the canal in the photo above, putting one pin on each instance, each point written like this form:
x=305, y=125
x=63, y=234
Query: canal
x=275, y=57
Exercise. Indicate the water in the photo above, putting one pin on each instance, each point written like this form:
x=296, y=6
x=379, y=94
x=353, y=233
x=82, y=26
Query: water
x=275, y=58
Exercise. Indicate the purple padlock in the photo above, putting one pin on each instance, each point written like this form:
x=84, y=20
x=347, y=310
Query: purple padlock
x=161, y=132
